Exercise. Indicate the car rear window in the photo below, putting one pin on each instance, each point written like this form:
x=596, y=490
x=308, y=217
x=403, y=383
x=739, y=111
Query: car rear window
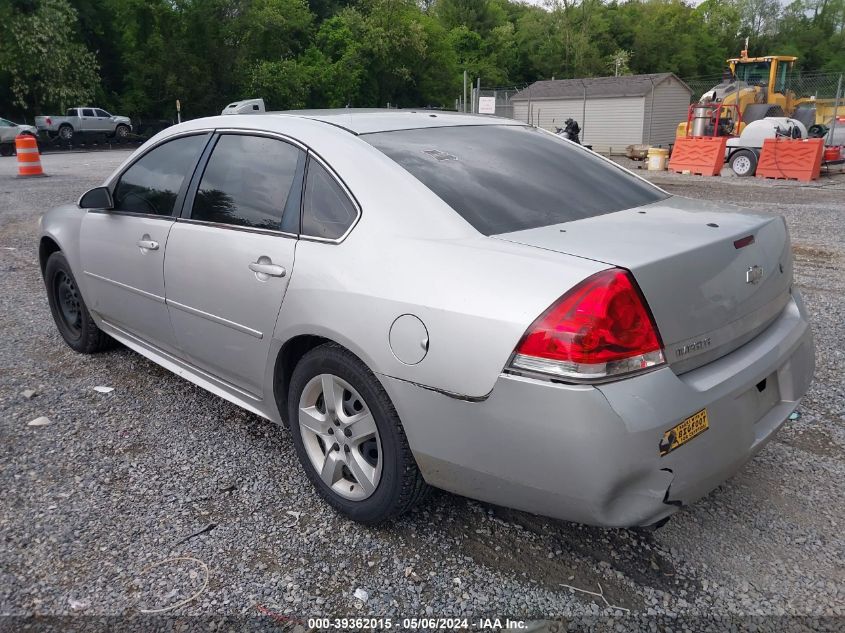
x=503, y=178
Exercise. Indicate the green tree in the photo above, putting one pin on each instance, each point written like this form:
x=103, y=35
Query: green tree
x=480, y=16
x=40, y=52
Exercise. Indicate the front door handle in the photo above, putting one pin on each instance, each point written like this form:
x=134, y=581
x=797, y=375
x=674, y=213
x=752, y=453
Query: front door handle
x=270, y=270
x=147, y=244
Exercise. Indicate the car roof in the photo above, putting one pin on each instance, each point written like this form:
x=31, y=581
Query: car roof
x=369, y=121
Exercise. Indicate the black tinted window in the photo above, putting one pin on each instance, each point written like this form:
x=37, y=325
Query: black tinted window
x=509, y=178
x=87, y=112
x=247, y=182
x=326, y=210
x=152, y=184
x=102, y=113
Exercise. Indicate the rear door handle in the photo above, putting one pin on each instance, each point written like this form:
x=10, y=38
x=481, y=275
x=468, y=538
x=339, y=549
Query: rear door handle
x=148, y=245
x=271, y=270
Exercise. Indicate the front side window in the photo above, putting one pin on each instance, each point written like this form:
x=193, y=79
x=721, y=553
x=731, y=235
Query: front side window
x=327, y=211
x=783, y=75
x=503, y=178
x=152, y=184
x=5, y=123
x=102, y=114
x=249, y=181
x=754, y=73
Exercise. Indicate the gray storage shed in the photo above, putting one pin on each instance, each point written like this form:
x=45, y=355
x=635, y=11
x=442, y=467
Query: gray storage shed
x=613, y=112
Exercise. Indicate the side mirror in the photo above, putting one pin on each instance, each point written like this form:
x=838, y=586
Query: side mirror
x=96, y=198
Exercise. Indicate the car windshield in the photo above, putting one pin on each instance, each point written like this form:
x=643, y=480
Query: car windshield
x=508, y=178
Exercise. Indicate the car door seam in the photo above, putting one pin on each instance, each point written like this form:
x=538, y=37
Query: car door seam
x=164, y=281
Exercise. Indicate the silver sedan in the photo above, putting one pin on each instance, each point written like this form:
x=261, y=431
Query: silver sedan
x=432, y=299
x=9, y=131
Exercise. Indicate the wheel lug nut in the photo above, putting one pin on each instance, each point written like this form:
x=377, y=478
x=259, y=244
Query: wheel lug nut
x=336, y=422
x=331, y=431
x=347, y=432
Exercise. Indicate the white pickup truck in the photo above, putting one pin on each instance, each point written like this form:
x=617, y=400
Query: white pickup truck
x=84, y=121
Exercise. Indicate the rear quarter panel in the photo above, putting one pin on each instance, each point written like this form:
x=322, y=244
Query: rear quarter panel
x=476, y=297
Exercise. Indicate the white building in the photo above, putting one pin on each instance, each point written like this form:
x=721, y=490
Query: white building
x=613, y=112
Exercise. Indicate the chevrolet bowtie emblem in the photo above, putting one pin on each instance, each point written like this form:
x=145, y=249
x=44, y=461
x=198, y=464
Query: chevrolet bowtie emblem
x=753, y=274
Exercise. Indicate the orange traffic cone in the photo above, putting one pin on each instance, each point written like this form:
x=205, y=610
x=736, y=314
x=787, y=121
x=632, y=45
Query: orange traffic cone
x=29, y=160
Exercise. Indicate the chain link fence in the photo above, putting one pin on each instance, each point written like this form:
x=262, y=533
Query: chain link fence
x=803, y=84
x=503, y=96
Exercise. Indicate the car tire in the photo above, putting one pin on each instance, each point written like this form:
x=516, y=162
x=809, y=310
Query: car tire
x=69, y=311
x=348, y=460
x=744, y=163
x=121, y=132
x=66, y=132
x=7, y=149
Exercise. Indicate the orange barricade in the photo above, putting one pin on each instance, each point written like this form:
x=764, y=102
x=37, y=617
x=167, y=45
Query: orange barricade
x=794, y=159
x=29, y=160
x=702, y=155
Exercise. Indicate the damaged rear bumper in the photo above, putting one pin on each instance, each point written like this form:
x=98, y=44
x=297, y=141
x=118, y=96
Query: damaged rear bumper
x=591, y=453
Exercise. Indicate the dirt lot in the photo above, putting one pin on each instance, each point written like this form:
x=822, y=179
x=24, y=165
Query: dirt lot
x=118, y=481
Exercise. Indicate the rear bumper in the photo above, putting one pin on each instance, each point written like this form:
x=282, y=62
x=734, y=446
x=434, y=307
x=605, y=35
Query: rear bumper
x=590, y=454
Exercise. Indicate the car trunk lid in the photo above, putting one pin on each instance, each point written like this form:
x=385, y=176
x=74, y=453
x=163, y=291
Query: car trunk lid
x=713, y=277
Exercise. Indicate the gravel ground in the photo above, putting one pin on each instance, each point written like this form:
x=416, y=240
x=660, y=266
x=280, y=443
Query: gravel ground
x=120, y=481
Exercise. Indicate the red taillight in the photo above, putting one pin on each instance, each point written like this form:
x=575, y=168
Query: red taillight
x=600, y=328
x=743, y=242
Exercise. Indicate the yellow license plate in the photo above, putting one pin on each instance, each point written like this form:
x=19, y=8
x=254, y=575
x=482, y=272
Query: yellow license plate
x=682, y=433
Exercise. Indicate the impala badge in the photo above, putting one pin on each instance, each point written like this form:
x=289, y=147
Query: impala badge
x=753, y=275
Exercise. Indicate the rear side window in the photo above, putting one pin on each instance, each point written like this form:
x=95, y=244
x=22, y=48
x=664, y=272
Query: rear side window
x=327, y=211
x=152, y=184
x=248, y=182
x=87, y=112
x=509, y=178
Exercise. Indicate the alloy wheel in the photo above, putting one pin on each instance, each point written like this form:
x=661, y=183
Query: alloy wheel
x=340, y=437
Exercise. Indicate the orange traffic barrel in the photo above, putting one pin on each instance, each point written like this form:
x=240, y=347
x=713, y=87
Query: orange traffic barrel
x=29, y=160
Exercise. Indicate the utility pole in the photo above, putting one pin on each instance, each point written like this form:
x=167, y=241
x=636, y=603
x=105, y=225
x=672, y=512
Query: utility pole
x=651, y=110
x=836, y=108
x=465, y=90
x=584, y=111
x=477, y=95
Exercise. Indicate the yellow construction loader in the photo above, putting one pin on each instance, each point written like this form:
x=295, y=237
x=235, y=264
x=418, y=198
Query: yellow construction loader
x=757, y=87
